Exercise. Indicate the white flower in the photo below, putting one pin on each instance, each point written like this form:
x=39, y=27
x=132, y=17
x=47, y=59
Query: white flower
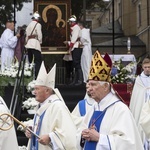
x=124, y=72
x=22, y=147
x=30, y=103
x=30, y=86
x=13, y=70
x=27, y=73
x=14, y=74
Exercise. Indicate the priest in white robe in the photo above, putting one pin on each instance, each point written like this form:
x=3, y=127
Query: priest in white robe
x=52, y=122
x=140, y=95
x=110, y=125
x=8, y=138
x=86, y=56
x=8, y=44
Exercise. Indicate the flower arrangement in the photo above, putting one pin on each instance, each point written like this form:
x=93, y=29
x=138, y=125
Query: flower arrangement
x=122, y=73
x=9, y=75
x=30, y=103
x=13, y=70
x=30, y=86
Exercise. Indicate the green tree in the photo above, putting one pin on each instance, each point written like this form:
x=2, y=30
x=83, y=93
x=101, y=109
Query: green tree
x=7, y=11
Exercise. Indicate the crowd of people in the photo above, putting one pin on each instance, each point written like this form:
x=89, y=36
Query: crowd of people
x=101, y=121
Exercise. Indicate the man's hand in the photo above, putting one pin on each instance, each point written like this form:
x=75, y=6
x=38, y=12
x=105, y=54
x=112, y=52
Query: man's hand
x=69, y=51
x=44, y=139
x=28, y=133
x=85, y=134
x=65, y=42
x=18, y=35
x=90, y=135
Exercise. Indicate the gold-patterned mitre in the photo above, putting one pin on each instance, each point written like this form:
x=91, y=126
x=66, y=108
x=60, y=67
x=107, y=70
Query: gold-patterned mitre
x=100, y=68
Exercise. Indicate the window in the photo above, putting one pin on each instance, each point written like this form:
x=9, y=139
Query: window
x=120, y=9
x=139, y=15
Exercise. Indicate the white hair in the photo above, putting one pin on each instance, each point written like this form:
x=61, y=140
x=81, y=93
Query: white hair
x=103, y=82
x=109, y=85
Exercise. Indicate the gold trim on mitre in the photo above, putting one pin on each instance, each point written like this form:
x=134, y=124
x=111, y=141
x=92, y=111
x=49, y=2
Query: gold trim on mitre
x=100, y=68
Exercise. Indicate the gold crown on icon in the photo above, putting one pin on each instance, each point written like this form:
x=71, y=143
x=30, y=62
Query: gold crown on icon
x=100, y=68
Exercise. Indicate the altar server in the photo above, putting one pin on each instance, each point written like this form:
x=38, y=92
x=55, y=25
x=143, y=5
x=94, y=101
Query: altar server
x=8, y=43
x=86, y=56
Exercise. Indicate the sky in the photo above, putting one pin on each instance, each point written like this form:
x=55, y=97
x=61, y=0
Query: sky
x=24, y=16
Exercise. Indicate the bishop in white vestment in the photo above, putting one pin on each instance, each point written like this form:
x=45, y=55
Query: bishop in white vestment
x=110, y=124
x=53, y=124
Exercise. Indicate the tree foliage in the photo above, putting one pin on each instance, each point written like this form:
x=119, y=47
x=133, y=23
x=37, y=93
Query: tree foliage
x=7, y=10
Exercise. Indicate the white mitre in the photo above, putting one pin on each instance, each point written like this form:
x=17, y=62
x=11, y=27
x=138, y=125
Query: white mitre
x=48, y=80
x=42, y=76
x=51, y=77
x=45, y=79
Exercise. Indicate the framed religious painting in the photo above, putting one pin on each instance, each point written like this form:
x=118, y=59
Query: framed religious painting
x=55, y=29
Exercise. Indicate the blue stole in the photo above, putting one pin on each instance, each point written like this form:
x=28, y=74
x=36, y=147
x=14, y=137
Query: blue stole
x=91, y=145
x=34, y=139
x=95, y=121
x=82, y=108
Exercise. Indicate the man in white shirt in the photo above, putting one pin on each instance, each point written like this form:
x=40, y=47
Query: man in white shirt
x=86, y=56
x=34, y=41
x=75, y=50
x=8, y=43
